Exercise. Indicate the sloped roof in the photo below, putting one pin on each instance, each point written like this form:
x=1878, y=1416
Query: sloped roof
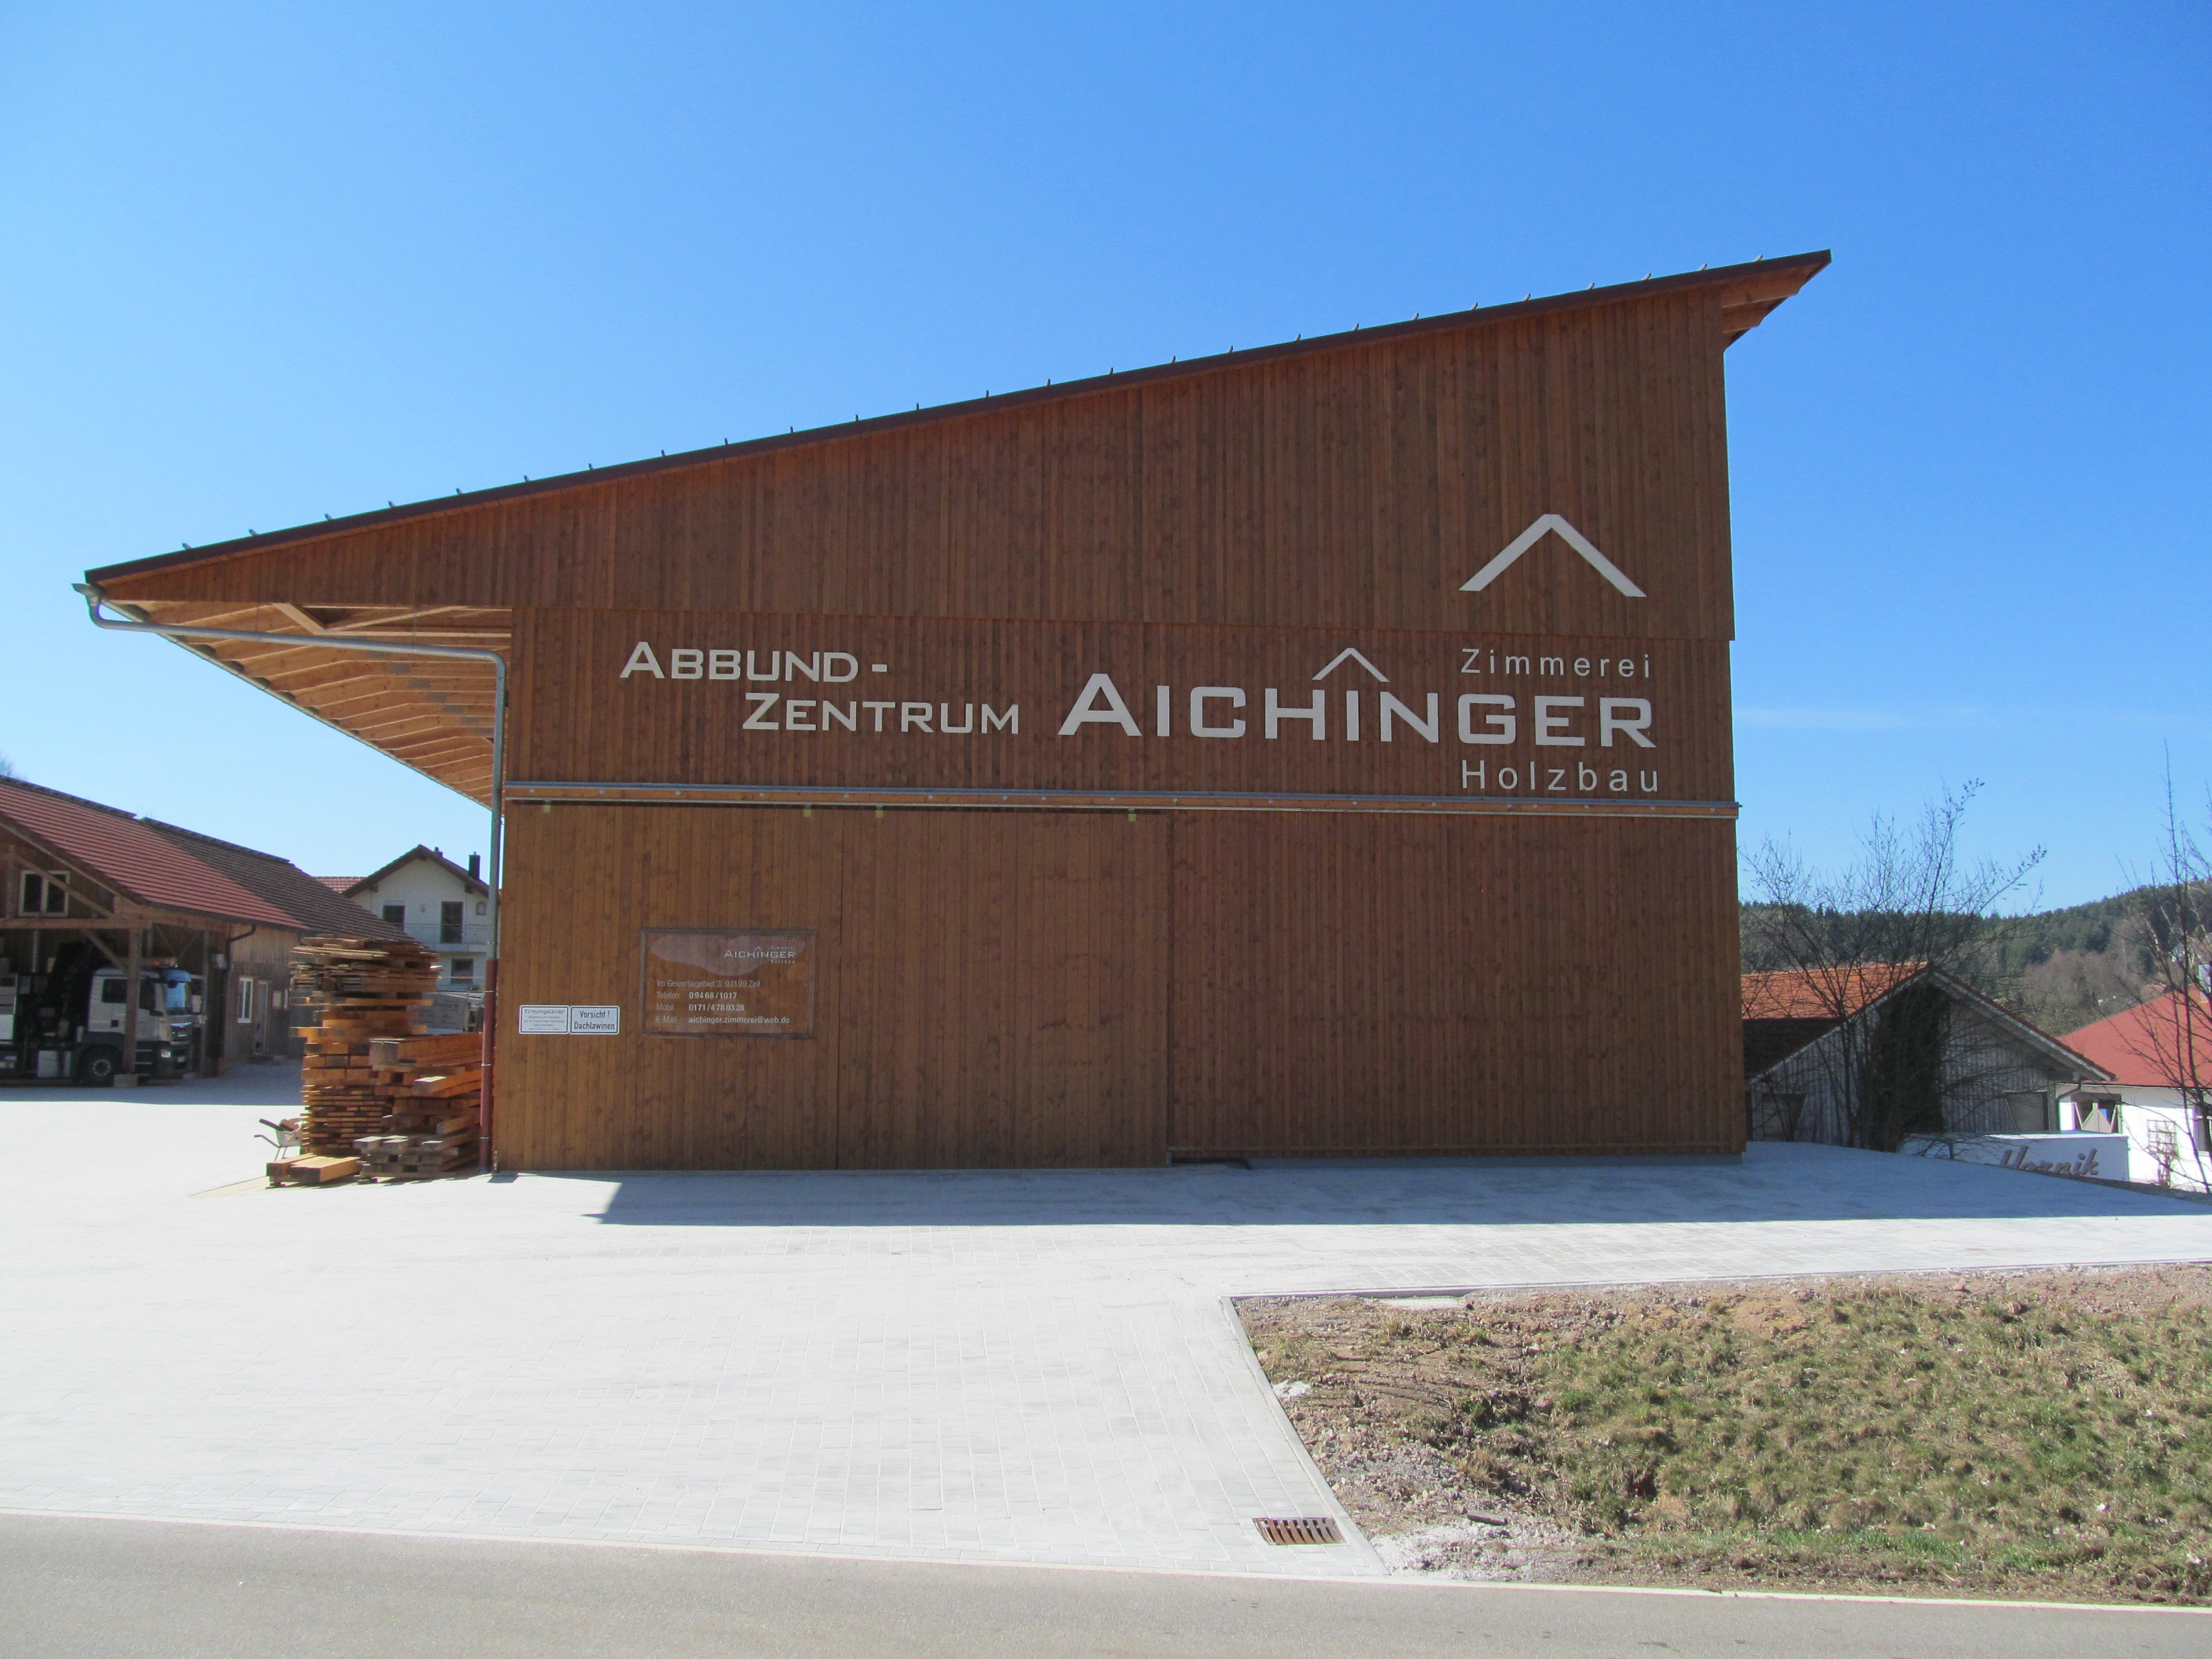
x=1785, y=1012
x=2128, y=1045
x=340, y=883
x=127, y=854
x=1806, y=995
x=1749, y=293
x=310, y=904
x=428, y=855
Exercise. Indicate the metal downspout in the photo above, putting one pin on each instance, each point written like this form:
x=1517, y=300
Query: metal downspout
x=94, y=598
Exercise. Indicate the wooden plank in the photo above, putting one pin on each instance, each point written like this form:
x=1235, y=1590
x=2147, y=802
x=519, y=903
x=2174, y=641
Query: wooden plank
x=424, y=1050
x=322, y=1172
x=466, y=1082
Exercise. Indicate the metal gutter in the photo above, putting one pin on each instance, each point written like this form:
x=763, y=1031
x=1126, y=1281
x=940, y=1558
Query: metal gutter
x=94, y=598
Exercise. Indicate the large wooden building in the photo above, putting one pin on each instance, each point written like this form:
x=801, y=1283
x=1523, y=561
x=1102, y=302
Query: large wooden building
x=1312, y=751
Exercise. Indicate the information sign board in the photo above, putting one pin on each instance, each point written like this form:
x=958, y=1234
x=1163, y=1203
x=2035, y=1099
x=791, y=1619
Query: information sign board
x=754, y=981
x=567, y=1019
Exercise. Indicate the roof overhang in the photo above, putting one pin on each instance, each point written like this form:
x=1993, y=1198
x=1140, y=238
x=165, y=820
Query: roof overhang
x=437, y=716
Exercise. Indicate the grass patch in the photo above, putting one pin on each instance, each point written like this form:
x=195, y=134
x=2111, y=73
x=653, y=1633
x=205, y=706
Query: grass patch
x=2045, y=1435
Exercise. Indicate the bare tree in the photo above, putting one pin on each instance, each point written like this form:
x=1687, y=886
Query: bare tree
x=2173, y=1036
x=1850, y=937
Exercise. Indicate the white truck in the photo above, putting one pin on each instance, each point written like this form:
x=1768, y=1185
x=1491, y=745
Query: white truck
x=70, y=1025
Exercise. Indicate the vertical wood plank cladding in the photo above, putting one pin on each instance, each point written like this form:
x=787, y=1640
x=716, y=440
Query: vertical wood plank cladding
x=997, y=990
x=987, y=995
x=583, y=883
x=1356, y=486
x=1004, y=1003
x=1450, y=983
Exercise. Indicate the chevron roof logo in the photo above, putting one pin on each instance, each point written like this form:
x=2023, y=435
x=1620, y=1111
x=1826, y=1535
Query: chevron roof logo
x=1534, y=533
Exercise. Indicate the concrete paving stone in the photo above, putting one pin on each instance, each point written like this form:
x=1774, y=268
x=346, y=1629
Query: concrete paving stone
x=985, y=1366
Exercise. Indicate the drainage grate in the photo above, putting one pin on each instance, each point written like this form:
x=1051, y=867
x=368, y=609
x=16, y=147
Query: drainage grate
x=1297, y=1529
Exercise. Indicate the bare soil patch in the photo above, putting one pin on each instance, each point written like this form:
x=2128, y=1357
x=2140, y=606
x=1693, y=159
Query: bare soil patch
x=2041, y=1435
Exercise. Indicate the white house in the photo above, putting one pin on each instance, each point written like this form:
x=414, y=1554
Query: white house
x=2160, y=1056
x=439, y=903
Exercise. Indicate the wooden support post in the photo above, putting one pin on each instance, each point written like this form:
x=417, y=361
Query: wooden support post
x=128, y=1065
x=205, y=1030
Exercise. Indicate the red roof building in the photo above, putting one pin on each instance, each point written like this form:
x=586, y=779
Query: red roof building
x=128, y=855
x=89, y=887
x=2148, y=1046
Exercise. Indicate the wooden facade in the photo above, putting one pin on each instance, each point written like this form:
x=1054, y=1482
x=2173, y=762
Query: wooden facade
x=1150, y=766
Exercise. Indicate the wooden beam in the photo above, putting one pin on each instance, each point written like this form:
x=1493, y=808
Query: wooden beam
x=84, y=882
x=336, y=668
x=61, y=924
x=422, y=750
x=366, y=618
x=398, y=724
x=376, y=700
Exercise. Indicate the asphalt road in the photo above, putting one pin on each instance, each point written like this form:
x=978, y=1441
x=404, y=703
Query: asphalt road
x=72, y=1587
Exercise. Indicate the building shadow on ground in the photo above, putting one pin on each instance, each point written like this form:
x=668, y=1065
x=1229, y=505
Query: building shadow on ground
x=1771, y=1183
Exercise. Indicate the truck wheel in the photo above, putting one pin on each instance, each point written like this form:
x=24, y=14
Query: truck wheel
x=97, y=1066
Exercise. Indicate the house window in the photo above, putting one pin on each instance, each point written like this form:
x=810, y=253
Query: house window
x=396, y=914
x=2098, y=1113
x=449, y=922
x=464, y=968
x=44, y=895
x=246, y=1002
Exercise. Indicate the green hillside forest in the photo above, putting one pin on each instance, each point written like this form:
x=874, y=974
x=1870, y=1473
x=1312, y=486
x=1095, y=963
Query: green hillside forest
x=2060, y=969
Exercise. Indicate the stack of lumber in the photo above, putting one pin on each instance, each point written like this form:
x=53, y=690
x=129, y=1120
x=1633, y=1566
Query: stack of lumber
x=370, y=988
x=432, y=1090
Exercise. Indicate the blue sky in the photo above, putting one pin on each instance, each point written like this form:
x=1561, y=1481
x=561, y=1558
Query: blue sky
x=264, y=263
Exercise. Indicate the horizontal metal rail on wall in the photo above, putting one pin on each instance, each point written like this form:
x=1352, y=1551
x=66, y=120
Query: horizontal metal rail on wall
x=1134, y=800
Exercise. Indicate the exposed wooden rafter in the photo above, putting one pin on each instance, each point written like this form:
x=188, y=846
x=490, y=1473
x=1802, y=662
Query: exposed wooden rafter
x=435, y=715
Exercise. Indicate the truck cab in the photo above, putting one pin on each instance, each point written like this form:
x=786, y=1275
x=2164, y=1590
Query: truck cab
x=168, y=1021
x=47, y=1031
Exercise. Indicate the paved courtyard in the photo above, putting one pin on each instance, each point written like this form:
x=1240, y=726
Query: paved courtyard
x=1002, y=1367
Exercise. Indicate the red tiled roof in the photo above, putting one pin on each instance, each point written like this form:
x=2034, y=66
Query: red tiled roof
x=340, y=884
x=122, y=853
x=1806, y=995
x=2129, y=1044
x=312, y=906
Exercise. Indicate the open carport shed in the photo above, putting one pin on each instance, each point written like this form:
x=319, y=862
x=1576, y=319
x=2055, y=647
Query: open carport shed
x=1318, y=749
